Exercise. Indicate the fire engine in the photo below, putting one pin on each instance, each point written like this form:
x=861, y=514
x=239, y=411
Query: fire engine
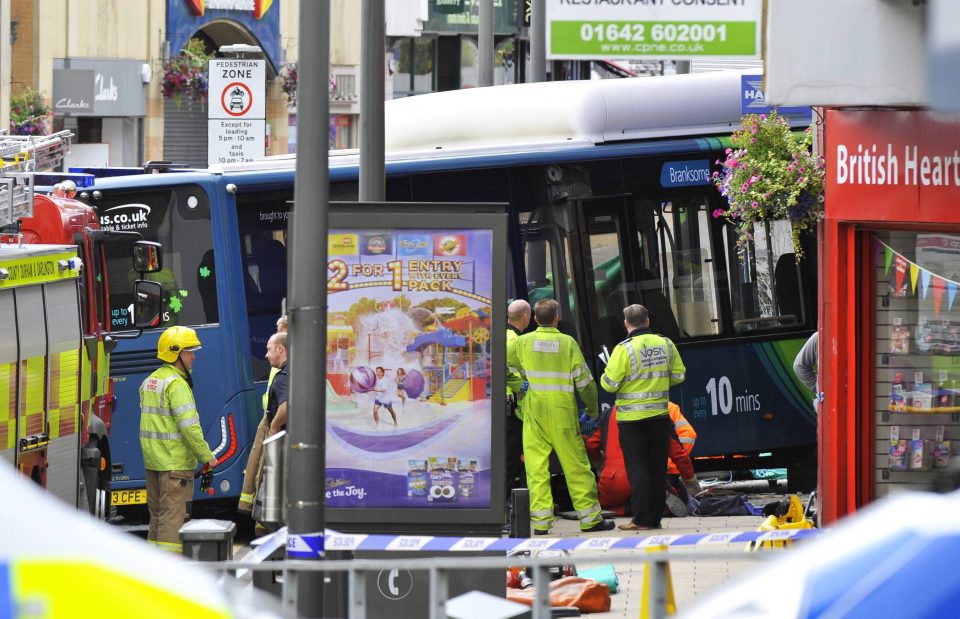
x=55, y=390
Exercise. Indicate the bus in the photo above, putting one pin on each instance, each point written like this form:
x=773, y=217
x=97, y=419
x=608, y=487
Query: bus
x=610, y=202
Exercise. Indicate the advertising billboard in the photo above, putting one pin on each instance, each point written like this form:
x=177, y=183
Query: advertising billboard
x=414, y=348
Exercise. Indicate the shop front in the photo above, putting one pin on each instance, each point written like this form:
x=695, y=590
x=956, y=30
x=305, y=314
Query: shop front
x=890, y=312
x=445, y=55
x=103, y=101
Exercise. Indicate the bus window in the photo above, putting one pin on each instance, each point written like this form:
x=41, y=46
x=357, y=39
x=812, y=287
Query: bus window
x=179, y=219
x=608, y=278
x=764, y=280
x=688, y=259
x=262, y=226
x=546, y=257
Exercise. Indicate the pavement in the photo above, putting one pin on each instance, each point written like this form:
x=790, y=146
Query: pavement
x=693, y=580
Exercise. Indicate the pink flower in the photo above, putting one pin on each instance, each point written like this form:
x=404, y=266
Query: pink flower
x=753, y=140
x=718, y=213
x=755, y=204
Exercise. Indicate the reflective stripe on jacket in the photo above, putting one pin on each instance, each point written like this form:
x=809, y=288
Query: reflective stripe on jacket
x=514, y=380
x=685, y=432
x=170, y=434
x=641, y=370
x=555, y=368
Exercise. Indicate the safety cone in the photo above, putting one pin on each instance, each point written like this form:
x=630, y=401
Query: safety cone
x=671, y=602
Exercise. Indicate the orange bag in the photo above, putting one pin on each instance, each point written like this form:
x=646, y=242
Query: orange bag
x=587, y=595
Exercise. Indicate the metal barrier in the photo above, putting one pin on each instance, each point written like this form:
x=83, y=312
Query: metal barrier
x=592, y=550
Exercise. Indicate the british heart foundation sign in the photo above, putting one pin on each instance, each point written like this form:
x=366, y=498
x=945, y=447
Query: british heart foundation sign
x=892, y=166
x=236, y=125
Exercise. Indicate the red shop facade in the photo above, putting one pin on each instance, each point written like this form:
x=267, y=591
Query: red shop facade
x=890, y=315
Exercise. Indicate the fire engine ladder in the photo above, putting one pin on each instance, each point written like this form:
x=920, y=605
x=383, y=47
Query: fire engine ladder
x=20, y=157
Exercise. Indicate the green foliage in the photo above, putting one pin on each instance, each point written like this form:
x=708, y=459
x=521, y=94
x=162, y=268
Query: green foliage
x=185, y=75
x=770, y=174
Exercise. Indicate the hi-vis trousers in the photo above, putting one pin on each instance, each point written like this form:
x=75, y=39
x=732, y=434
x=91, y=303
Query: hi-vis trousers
x=554, y=428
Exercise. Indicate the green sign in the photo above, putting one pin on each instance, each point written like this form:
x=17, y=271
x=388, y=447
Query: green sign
x=680, y=29
x=621, y=39
x=463, y=16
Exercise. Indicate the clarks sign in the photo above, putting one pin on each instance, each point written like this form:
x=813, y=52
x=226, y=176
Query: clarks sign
x=98, y=87
x=72, y=92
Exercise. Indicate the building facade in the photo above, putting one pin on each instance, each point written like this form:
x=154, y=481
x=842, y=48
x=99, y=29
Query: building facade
x=99, y=65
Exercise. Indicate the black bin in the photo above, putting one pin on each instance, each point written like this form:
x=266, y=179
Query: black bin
x=208, y=540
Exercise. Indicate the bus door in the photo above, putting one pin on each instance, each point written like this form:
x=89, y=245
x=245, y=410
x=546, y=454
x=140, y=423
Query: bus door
x=545, y=235
x=605, y=258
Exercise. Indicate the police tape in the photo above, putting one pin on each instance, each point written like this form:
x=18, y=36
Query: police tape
x=335, y=541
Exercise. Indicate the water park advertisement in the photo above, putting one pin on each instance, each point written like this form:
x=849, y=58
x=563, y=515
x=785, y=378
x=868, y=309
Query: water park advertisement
x=409, y=419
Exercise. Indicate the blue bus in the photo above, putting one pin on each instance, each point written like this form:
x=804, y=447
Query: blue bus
x=609, y=202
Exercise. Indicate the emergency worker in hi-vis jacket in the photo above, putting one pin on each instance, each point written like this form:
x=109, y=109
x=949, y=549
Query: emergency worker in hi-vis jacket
x=641, y=370
x=553, y=365
x=171, y=437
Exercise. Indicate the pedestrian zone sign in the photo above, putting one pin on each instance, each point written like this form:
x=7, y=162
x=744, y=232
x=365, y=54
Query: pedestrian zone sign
x=236, y=126
x=237, y=88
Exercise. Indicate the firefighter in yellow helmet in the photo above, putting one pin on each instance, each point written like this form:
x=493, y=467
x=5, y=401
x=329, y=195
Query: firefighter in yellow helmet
x=554, y=367
x=171, y=437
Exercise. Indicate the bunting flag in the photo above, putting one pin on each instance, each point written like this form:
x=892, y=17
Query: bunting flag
x=919, y=275
x=938, y=286
x=924, y=282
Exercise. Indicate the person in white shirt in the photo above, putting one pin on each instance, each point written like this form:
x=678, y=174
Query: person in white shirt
x=383, y=397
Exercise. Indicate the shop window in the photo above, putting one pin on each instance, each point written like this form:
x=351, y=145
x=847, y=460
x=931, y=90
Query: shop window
x=505, y=62
x=469, y=63
x=917, y=374
x=413, y=65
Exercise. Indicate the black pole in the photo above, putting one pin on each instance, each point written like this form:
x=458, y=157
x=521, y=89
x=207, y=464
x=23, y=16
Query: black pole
x=306, y=449
x=372, y=166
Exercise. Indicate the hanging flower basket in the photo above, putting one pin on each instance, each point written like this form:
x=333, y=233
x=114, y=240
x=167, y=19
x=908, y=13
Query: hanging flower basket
x=29, y=115
x=288, y=82
x=770, y=174
x=185, y=75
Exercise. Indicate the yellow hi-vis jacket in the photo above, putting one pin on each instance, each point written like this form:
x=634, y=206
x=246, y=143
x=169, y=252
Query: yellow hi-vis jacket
x=170, y=434
x=514, y=380
x=554, y=366
x=641, y=371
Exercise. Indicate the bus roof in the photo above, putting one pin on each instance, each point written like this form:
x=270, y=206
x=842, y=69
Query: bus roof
x=520, y=118
x=521, y=124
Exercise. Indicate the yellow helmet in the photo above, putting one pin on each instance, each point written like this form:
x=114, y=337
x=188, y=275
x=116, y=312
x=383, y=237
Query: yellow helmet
x=174, y=340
